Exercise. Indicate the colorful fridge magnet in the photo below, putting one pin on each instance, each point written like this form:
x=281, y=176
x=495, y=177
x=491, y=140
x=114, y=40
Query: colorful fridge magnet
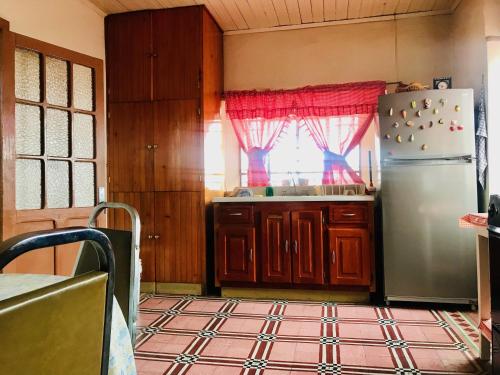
x=460, y=127
x=419, y=113
x=404, y=114
x=421, y=127
x=410, y=124
x=413, y=104
x=442, y=101
x=391, y=111
x=457, y=108
x=435, y=111
x=395, y=125
x=399, y=139
x=431, y=124
x=427, y=103
x=411, y=138
x=441, y=121
x=387, y=136
x=424, y=147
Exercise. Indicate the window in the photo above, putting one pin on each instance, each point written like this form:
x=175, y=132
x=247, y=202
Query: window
x=297, y=159
x=214, y=157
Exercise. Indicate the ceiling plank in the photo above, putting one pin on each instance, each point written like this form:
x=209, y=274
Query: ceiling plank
x=281, y=12
x=109, y=6
x=293, y=11
x=377, y=8
x=317, y=10
x=329, y=9
x=235, y=13
x=354, y=9
x=270, y=12
x=180, y=3
x=440, y=5
x=418, y=6
x=390, y=6
x=366, y=8
x=341, y=7
x=141, y=4
x=248, y=14
x=305, y=11
x=403, y=6
x=219, y=12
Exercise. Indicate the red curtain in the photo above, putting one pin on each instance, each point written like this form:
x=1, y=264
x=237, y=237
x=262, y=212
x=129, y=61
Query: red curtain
x=258, y=119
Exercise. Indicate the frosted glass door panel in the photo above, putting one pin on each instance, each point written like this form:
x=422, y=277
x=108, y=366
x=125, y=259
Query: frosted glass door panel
x=56, y=72
x=27, y=75
x=84, y=184
x=83, y=88
x=83, y=136
x=28, y=184
x=57, y=184
x=57, y=133
x=28, y=129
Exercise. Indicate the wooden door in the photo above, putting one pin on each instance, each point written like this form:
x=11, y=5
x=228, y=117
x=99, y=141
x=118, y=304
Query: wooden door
x=129, y=57
x=130, y=147
x=179, y=241
x=236, y=253
x=177, y=48
x=120, y=219
x=178, y=152
x=349, y=256
x=276, y=258
x=307, y=243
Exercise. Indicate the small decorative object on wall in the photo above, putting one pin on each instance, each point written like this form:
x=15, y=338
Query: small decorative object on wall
x=404, y=114
x=399, y=139
x=411, y=138
x=413, y=104
x=441, y=83
x=391, y=111
x=427, y=103
x=395, y=125
x=410, y=124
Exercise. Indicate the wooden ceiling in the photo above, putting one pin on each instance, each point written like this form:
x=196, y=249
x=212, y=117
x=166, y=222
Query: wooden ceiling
x=266, y=15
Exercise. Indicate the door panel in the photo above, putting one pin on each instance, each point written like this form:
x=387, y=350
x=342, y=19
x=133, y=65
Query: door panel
x=130, y=158
x=66, y=255
x=120, y=219
x=349, y=256
x=179, y=245
x=38, y=261
x=177, y=62
x=236, y=253
x=178, y=157
x=276, y=257
x=307, y=242
x=129, y=56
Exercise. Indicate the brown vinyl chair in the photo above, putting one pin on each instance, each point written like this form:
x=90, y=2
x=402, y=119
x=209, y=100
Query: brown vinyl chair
x=64, y=328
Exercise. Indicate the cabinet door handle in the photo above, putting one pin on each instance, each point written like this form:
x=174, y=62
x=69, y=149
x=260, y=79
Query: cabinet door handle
x=150, y=236
x=236, y=214
x=157, y=236
x=345, y=214
x=250, y=255
x=286, y=246
x=333, y=256
x=295, y=246
x=149, y=147
x=155, y=146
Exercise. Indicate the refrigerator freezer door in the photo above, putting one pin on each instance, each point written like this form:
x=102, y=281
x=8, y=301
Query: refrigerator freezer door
x=454, y=108
x=427, y=257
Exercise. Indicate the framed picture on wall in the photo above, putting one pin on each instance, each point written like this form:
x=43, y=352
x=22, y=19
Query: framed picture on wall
x=442, y=83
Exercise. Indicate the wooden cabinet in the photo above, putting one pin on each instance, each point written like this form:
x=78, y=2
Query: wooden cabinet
x=129, y=56
x=307, y=238
x=349, y=256
x=276, y=258
x=236, y=253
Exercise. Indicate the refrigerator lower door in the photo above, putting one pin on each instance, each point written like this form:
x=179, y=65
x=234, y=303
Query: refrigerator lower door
x=427, y=257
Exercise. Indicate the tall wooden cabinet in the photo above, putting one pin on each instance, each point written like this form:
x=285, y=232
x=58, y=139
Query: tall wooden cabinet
x=164, y=71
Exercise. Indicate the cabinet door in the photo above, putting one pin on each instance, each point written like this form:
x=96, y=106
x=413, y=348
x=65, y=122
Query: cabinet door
x=178, y=156
x=276, y=257
x=177, y=49
x=307, y=243
x=130, y=147
x=120, y=219
x=236, y=253
x=349, y=255
x=129, y=57
x=179, y=240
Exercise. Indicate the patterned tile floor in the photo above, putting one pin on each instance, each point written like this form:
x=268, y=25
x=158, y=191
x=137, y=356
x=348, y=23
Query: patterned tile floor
x=192, y=335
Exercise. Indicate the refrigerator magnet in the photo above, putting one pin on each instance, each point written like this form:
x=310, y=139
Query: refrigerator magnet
x=460, y=127
x=404, y=114
x=413, y=104
x=431, y=124
x=435, y=111
x=419, y=113
x=411, y=138
x=457, y=108
x=424, y=147
x=441, y=121
x=387, y=136
x=421, y=127
x=399, y=139
x=427, y=103
x=410, y=124
x=395, y=125
x=442, y=101
x=391, y=111
x=452, y=128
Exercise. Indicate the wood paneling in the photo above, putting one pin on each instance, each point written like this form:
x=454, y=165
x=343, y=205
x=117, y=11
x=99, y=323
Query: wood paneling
x=177, y=53
x=129, y=53
x=307, y=242
x=66, y=255
x=130, y=149
x=178, y=157
x=179, y=242
x=276, y=256
x=234, y=15
x=349, y=256
x=236, y=255
x=120, y=219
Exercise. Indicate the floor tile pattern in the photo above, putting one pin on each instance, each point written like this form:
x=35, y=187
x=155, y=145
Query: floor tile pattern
x=194, y=335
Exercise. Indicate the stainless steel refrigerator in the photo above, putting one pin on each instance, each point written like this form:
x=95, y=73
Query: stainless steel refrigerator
x=428, y=182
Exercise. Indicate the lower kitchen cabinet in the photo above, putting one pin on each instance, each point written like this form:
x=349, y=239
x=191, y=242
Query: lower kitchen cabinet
x=349, y=256
x=236, y=253
x=276, y=260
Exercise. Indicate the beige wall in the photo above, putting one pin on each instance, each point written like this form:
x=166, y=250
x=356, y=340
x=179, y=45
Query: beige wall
x=72, y=24
x=412, y=49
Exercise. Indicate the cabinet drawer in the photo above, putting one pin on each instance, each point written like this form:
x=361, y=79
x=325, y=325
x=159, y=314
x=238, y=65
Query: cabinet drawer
x=235, y=214
x=348, y=214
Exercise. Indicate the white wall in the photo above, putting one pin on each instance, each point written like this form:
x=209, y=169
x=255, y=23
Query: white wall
x=73, y=24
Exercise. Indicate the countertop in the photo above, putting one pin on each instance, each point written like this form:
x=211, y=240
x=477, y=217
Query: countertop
x=300, y=198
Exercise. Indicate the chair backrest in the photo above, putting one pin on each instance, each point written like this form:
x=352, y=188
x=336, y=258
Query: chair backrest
x=63, y=328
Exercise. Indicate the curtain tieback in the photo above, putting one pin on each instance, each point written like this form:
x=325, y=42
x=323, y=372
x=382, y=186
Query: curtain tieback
x=331, y=159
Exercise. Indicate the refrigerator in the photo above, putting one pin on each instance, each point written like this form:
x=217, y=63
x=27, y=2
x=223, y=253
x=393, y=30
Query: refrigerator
x=428, y=181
